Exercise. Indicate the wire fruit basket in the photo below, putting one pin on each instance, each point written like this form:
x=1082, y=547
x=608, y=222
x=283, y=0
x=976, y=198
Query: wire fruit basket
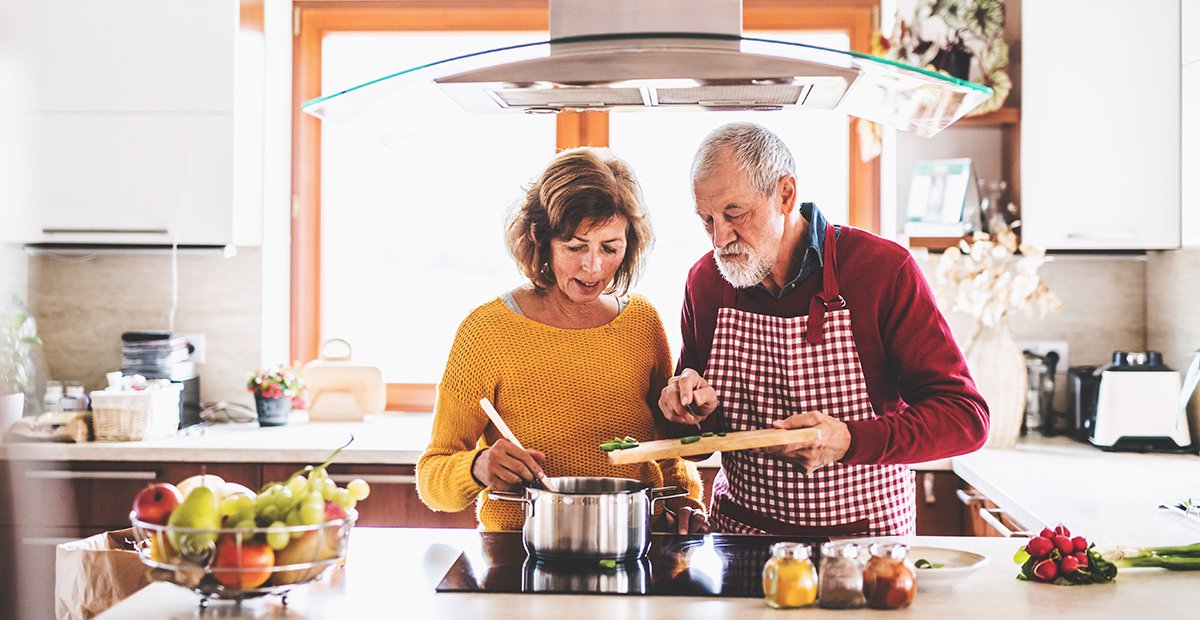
x=242, y=563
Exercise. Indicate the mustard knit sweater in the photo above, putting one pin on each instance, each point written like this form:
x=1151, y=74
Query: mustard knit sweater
x=561, y=391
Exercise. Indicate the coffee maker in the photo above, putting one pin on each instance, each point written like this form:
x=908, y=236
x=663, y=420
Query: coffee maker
x=1131, y=404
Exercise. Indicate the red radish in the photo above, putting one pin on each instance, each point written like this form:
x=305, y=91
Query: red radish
x=1039, y=547
x=1047, y=533
x=1062, y=530
x=1069, y=564
x=1081, y=557
x=1064, y=545
x=1046, y=570
x=1081, y=543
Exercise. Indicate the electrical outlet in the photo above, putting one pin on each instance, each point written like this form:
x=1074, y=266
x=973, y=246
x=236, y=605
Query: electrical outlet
x=198, y=343
x=1042, y=347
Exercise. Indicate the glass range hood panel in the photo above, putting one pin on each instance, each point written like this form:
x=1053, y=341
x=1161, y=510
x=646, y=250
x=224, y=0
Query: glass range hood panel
x=652, y=72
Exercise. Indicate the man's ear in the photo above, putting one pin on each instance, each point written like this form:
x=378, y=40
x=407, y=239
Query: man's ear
x=787, y=194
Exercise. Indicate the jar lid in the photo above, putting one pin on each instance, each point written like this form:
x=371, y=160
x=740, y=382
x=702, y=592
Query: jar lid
x=791, y=551
x=839, y=550
x=896, y=551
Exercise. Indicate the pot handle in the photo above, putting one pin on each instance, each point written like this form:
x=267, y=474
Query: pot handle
x=667, y=493
x=509, y=496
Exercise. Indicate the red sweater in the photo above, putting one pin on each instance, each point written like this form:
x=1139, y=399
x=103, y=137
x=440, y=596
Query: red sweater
x=925, y=401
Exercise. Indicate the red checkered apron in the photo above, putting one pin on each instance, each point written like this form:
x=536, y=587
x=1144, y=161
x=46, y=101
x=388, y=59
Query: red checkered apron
x=767, y=368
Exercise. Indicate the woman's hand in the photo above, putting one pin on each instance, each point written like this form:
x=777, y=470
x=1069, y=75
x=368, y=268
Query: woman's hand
x=505, y=467
x=687, y=521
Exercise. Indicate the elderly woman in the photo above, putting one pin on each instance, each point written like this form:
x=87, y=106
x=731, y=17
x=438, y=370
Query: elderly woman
x=568, y=359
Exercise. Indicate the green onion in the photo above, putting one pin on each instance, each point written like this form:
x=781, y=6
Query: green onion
x=706, y=434
x=720, y=433
x=608, y=565
x=1185, y=557
x=690, y=439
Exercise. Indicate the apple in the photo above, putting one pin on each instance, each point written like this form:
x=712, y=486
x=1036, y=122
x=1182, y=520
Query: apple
x=154, y=503
x=334, y=511
x=226, y=489
x=245, y=568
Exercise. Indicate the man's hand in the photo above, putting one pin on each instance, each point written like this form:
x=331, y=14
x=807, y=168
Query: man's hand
x=687, y=521
x=505, y=467
x=688, y=398
x=831, y=444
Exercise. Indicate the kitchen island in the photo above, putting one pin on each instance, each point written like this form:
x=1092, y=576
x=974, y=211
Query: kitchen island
x=393, y=573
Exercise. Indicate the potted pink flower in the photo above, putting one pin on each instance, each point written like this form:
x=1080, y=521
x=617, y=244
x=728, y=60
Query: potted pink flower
x=276, y=390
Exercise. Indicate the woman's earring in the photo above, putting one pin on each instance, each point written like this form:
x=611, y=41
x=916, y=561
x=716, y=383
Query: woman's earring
x=545, y=271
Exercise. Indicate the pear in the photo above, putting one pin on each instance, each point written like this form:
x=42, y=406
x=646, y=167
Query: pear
x=201, y=511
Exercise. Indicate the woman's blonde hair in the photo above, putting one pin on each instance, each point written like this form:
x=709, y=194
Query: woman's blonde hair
x=579, y=184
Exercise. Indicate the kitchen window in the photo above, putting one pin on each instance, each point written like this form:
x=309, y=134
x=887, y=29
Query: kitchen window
x=394, y=244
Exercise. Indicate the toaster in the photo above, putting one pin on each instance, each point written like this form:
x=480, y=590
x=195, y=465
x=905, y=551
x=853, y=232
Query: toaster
x=1137, y=405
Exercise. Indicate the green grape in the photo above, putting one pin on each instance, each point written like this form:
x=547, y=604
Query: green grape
x=293, y=520
x=312, y=511
x=269, y=512
x=342, y=498
x=329, y=488
x=298, y=485
x=230, y=506
x=278, y=539
x=245, y=524
x=359, y=489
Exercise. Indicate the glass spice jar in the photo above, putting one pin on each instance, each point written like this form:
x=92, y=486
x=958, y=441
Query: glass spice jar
x=789, y=578
x=889, y=580
x=841, y=577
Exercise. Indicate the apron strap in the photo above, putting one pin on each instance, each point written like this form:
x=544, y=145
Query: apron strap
x=829, y=294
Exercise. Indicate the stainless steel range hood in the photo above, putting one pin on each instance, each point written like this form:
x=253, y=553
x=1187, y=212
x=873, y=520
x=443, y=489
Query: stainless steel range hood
x=653, y=55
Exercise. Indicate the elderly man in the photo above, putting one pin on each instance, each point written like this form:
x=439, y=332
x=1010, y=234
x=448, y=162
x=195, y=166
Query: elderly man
x=792, y=322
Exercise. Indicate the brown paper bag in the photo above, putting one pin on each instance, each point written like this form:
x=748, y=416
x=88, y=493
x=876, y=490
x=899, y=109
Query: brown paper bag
x=96, y=573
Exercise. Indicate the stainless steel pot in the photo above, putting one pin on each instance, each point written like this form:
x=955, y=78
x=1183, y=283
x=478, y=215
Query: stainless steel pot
x=589, y=518
x=630, y=577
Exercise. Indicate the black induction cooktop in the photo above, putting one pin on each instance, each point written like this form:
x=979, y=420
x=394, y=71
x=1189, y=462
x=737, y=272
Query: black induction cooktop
x=711, y=565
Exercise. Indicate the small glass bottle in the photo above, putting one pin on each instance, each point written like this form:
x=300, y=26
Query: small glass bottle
x=841, y=577
x=889, y=580
x=51, y=401
x=789, y=578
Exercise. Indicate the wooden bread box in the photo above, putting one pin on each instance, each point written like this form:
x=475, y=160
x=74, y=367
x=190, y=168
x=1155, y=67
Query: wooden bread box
x=341, y=391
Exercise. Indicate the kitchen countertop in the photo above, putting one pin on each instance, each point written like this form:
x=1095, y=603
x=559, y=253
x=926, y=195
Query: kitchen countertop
x=1109, y=497
x=393, y=572
x=386, y=439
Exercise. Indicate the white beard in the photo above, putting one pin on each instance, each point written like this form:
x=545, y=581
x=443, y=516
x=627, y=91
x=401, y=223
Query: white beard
x=745, y=273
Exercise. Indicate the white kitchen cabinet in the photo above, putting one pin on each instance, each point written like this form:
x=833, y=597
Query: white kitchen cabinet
x=1100, y=139
x=1190, y=120
x=130, y=125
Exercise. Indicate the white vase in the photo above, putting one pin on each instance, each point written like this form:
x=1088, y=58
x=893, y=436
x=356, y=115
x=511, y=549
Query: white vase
x=998, y=367
x=12, y=406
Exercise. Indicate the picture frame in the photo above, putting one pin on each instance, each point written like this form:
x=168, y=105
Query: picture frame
x=938, y=192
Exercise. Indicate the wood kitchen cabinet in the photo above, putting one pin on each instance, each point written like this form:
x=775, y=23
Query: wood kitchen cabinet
x=393, y=502
x=940, y=512
x=1100, y=132
x=128, y=116
x=985, y=518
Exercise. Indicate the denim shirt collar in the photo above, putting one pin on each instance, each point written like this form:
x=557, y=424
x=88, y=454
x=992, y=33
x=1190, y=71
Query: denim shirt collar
x=814, y=256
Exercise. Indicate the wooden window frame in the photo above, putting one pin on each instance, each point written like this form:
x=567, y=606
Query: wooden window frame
x=316, y=18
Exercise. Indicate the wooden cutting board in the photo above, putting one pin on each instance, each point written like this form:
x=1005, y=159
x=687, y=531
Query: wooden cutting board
x=742, y=440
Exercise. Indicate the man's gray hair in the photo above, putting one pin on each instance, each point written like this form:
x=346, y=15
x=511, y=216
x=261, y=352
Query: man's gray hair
x=758, y=152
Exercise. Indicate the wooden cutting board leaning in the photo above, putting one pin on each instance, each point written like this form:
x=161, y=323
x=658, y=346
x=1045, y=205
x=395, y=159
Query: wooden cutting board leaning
x=741, y=440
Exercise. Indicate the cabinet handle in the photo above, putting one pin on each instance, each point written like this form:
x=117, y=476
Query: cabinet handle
x=1102, y=237
x=104, y=231
x=45, y=541
x=968, y=498
x=930, y=495
x=54, y=474
x=376, y=478
x=989, y=516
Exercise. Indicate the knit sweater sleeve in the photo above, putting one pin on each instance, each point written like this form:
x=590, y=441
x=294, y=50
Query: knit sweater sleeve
x=943, y=414
x=444, y=479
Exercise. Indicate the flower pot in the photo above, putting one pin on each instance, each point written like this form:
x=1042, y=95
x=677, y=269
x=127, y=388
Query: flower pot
x=272, y=411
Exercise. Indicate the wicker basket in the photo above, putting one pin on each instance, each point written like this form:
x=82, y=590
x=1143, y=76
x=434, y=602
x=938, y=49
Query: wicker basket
x=136, y=415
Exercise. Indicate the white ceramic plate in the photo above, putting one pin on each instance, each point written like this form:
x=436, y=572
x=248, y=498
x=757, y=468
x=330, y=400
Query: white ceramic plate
x=956, y=565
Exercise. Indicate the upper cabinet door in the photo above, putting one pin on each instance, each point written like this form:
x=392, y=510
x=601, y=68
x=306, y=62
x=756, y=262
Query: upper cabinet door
x=1100, y=134
x=1190, y=117
x=131, y=55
